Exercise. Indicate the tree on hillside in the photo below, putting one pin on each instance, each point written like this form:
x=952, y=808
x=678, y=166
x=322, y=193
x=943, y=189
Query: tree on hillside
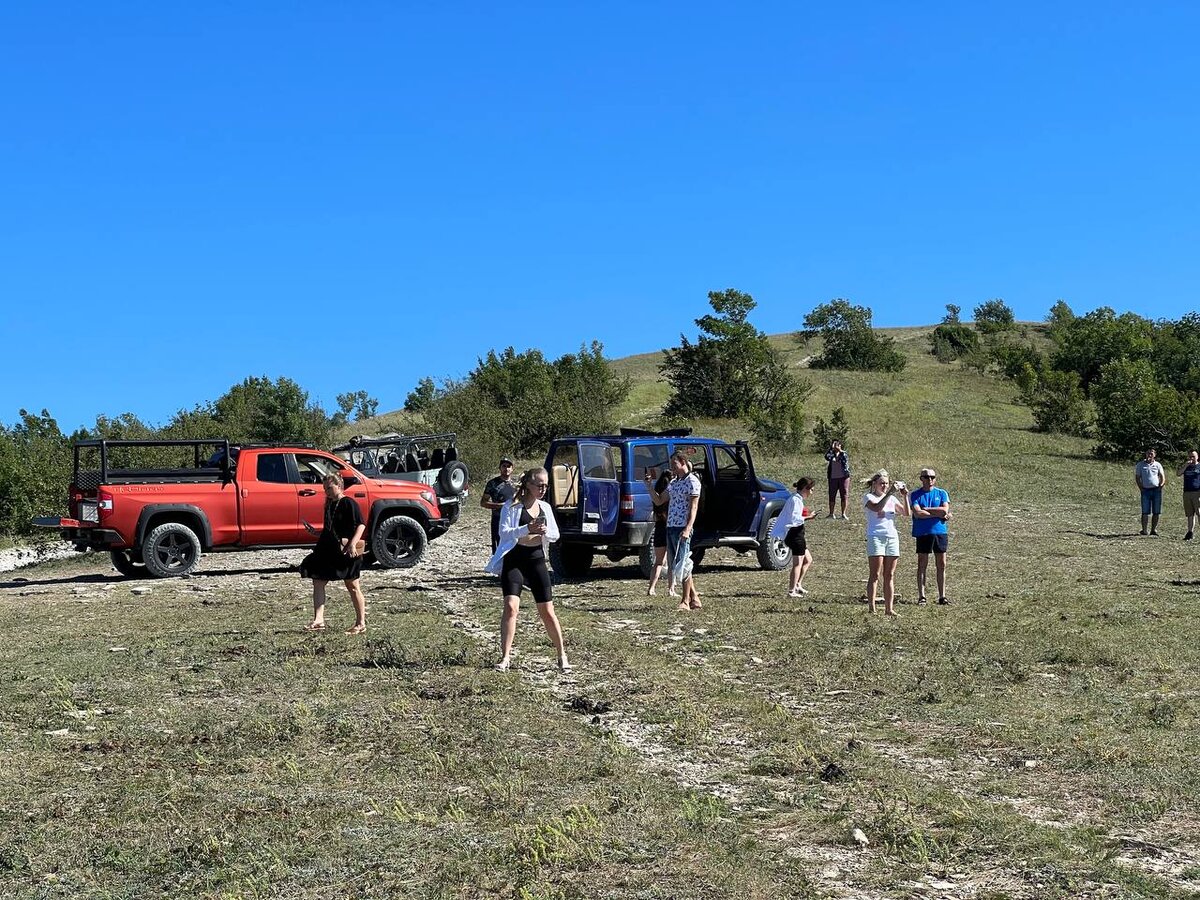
x=360, y=404
x=1176, y=353
x=952, y=339
x=1135, y=411
x=732, y=370
x=848, y=340
x=992, y=316
x=36, y=465
x=516, y=403
x=420, y=397
x=952, y=314
x=1059, y=317
x=259, y=409
x=1087, y=342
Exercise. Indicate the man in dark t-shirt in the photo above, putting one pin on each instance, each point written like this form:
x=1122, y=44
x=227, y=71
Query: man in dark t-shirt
x=496, y=493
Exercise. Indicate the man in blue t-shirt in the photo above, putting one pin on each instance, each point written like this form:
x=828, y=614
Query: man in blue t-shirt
x=930, y=507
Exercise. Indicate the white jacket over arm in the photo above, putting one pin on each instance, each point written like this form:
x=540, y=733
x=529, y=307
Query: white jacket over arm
x=511, y=529
x=791, y=516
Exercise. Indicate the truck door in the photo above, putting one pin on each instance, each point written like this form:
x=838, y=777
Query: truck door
x=270, y=509
x=311, y=469
x=600, y=492
x=735, y=489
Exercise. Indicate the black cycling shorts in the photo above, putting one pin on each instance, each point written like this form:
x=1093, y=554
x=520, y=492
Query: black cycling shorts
x=932, y=543
x=526, y=567
x=795, y=540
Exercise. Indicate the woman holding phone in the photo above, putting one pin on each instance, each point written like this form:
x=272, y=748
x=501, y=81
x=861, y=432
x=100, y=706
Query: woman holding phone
x=660, y=528
x=683, y=502
x=884, y=498
x=527, y=528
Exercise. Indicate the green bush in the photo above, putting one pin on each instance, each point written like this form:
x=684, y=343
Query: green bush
x=1058, y=403
x=516, y=403
x=1134, y=411
x=848, y=340
x=993, y=316
x=952, y=340
x=1086, y=343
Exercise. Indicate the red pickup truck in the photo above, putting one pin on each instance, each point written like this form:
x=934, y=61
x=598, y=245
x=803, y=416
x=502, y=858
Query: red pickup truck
x=156, y=506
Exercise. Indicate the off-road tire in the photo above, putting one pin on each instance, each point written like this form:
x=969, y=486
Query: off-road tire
x=399, y=542
x=646, y=558
x=453, y=477
x=773, y=554
x=171, y=550
x=128, y=563
x=570, y=561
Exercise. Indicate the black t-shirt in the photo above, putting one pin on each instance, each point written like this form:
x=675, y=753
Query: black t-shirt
x=342, y=518
x=499, y=490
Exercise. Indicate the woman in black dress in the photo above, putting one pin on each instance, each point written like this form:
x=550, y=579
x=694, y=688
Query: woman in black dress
x=338, y=555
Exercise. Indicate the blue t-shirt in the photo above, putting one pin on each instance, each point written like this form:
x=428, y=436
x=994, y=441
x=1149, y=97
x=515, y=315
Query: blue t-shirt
x=1191, y=478
x=925, y=498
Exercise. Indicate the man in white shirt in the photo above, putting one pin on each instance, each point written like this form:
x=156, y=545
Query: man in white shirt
x=1150, y=479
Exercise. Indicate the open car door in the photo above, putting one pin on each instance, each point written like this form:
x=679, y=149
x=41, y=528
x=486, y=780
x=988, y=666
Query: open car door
x=600, y=492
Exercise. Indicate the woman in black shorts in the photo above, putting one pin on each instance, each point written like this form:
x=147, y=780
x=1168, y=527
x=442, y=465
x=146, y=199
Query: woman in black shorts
x=789, y=528
x=660, y=532
x=527, y=528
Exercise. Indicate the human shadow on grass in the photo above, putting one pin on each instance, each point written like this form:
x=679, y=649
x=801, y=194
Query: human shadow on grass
x=116, y=578
x=1105, y=537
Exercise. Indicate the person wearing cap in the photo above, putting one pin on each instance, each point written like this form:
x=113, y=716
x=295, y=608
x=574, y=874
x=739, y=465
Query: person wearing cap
x=930, y=507
x=789, y=528
x=497, y=492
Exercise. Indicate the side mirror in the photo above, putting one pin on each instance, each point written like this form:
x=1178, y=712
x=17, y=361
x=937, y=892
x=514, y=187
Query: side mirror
x=350, y=480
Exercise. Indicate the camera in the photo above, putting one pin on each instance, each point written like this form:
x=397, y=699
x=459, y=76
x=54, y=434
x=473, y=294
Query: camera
x=899, y=485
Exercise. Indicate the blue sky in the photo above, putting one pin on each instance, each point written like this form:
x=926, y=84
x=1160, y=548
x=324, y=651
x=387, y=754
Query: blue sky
x=359, y=195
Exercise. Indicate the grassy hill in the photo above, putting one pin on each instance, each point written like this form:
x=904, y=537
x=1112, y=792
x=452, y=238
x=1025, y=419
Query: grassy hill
x=1034, y=739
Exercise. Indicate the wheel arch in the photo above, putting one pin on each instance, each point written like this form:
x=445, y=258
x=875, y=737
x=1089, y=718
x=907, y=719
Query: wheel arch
x=184, y=513
x=381, y=509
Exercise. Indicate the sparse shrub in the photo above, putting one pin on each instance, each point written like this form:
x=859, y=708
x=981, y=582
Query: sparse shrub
x=993, y=316
x=848, y=340
x=836, y=429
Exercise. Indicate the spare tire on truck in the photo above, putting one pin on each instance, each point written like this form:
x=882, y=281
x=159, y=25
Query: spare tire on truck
x=453, y=477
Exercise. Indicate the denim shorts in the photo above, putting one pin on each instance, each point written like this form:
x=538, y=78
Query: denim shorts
x=1152, y=501
x=888, y=545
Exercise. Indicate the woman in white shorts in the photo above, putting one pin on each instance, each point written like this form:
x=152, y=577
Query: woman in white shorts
x=881, y=502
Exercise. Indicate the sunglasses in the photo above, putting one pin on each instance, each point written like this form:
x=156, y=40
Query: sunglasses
x=929, y=477
x=541, y=484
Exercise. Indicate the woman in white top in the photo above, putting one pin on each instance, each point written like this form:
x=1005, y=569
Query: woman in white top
x=789, y=528
x=527, y=528
x=882, y=501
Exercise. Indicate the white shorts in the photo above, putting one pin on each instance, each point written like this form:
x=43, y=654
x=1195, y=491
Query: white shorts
x=888, y=545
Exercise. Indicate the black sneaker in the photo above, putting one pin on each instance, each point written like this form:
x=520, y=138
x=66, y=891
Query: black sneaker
x=1188, y=536
x=943, y=601
x=1154, y=534
x=920, y=601
x=1142, y=532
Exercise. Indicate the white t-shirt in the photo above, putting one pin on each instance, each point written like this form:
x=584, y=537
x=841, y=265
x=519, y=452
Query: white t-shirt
x=1150, y=474
x=682, y=490
x=881, y=524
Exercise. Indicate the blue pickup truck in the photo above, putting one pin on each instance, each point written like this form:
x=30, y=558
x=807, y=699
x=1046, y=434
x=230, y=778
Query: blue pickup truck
x=602, y=505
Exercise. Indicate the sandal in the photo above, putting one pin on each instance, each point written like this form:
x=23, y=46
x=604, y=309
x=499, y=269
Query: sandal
x=357, y=629
x=315, y=626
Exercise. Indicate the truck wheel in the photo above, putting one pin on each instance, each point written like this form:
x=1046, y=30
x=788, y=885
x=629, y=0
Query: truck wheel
x=570, y=560
x=773, y=554
x=646, y=558
x=453, y=477
x=170, y=550
x=698, y=556
x=124, y=561
x=399, y=542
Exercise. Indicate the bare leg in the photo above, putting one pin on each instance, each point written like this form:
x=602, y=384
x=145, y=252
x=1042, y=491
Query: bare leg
x=690, y=594
x=660, y=554
x=875, y=563
x=794, y=573
x=922, y=571
x=889, y=584
x=805, y=565
x=939, y=560
x=508, y=628
x=318, y=619
x=554, y=630
x=354, y=586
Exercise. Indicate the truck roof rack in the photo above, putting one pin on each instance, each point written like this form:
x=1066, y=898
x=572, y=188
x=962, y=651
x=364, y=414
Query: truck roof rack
x=669, y=432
